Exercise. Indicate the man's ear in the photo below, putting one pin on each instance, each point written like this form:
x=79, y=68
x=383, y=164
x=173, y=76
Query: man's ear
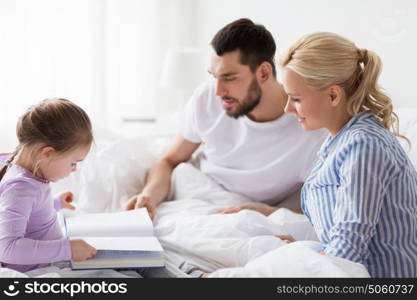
x=335, y=93
x=264, y=71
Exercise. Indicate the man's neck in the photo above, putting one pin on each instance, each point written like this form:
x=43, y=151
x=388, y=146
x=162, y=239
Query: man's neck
x=272, y=103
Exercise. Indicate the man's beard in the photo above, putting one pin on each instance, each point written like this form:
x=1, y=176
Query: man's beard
x=244, y=107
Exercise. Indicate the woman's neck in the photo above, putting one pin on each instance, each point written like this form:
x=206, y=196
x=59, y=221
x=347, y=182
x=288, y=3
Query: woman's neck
x=339, y=120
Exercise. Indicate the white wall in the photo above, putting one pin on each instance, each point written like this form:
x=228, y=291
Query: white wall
x=131, y=41
x=389, y=27
x=107, y=55
x=50, y=49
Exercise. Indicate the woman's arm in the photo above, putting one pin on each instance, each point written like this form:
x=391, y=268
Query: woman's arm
x=364, y=175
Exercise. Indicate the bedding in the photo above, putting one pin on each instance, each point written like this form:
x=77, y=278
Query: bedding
x=190, y=230
x=241, y=244
x=63, y=271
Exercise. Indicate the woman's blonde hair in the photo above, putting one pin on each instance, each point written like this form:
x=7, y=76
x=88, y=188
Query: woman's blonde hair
x=325, y=58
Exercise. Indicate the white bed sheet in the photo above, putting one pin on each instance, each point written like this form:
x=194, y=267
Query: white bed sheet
x=233, y=245
x=241, y=244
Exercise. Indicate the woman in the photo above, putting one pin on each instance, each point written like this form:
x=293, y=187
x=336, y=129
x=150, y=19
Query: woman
x=361, y=197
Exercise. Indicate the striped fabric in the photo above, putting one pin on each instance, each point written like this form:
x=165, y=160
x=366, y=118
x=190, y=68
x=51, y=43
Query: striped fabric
x=361, y=198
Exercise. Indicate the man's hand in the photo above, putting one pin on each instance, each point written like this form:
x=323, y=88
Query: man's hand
x=141, y=200
x=66, y=198
x=259, y=207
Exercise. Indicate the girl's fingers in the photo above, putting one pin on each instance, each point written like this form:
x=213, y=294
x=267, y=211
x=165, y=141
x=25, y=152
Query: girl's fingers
x=70, y=197
x=69, y=206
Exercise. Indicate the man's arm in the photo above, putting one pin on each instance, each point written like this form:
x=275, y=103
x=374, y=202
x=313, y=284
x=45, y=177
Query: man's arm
x=158, y=177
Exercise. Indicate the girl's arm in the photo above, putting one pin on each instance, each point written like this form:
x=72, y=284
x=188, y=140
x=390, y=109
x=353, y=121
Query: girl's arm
x=57, y=203
x=64, y=200
x=16, y=206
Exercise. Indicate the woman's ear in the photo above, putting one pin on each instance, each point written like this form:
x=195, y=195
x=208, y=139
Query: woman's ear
x=335, y=93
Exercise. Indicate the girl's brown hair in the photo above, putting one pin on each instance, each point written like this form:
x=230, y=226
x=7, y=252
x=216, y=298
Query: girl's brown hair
x=57, y=123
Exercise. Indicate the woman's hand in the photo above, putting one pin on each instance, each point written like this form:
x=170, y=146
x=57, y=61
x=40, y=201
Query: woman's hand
x=286, y=238
x=65, y=199
x=259, y=207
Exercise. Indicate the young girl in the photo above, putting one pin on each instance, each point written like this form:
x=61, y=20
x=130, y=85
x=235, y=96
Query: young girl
x=361, y=197
x=53, y=137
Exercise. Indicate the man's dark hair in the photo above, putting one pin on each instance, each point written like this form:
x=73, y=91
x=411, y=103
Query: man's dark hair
x=254, y=41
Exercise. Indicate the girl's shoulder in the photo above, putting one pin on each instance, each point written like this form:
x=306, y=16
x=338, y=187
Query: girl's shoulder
x=16, y=178
x=20, y=194
x=19, y=191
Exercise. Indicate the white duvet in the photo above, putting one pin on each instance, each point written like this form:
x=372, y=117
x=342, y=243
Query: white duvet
x=189, y=227
x=241, y=244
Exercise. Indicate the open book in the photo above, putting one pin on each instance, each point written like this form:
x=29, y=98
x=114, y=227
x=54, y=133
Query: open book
x=123, y=240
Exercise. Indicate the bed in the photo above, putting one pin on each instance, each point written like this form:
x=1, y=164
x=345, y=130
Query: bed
x=194, y=236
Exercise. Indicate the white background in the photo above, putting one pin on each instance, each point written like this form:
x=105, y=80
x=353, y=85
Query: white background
x=107, y=55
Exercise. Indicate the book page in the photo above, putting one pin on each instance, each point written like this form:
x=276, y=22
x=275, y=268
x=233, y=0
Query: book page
x=121, y=259
x=121, y=224
x=124, y=243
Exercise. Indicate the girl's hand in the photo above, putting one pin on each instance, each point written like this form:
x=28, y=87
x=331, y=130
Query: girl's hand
x=286, y=238
x=66, y=198
x=80, y=250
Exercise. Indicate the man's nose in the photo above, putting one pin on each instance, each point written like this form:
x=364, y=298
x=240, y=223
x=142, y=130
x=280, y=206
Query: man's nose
x=220, y=89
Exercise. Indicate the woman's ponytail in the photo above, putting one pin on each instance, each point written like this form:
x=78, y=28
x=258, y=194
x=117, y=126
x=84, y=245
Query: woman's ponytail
x=369, y=96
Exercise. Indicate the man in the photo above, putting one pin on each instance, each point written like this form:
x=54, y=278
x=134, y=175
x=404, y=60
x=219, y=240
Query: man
x=249, y=146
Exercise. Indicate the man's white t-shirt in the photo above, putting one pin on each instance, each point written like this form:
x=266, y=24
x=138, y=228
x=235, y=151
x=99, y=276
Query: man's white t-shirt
x=264, y=161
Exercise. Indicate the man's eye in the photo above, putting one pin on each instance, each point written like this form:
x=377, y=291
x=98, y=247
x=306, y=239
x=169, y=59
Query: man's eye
x=229, y=78
x=295, y=99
